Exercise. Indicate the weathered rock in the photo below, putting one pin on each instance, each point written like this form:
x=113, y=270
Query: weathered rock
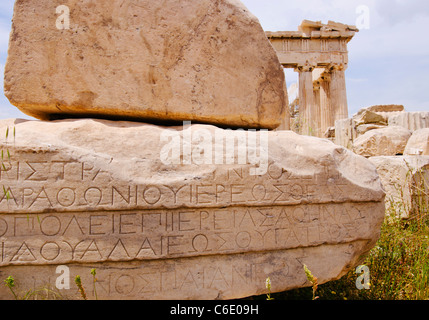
x=384, y=111
x=387, y=108
x=410, y=120
x=405, y=180
x=345, y=133
x=364, y=128
x=388, y=141
x=418, y=144
x=330, y=133
x=365, y=117
x=197, y=60
x=159, y=222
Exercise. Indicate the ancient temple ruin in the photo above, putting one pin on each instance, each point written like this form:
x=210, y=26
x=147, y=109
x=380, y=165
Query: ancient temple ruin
x=318, y=52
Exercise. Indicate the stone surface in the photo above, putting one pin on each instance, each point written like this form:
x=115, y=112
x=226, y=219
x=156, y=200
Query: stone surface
x=387, y=108
x=410, y=120
x=198, y=60
x=364, y=128
x=162, y=223
x=388, y=141
x=405, y=180
x=369, y=117
x=345, y=133
x=418, y=144
x=366, y=119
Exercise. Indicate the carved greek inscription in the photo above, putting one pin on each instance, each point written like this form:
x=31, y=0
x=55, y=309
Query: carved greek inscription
x=51, y=170
x=81, y=197
x=59, y=185
x=187, y=277
x=159, y=234
x=166, y=278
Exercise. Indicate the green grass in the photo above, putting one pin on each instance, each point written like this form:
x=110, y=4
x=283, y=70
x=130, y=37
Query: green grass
x=398, y=264
x=42, y=293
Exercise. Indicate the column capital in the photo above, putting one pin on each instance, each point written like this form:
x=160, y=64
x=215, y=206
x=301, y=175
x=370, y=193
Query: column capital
x=337, y=67
x=325, y=76
x=305, y=68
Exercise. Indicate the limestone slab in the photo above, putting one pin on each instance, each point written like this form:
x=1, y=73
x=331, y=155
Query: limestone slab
x=410, y=120
x=388, y=141
x=387, y=108
x=202, y=61
x=198, y=278
x=110, y=195
x=366, y=116
x=364, y=128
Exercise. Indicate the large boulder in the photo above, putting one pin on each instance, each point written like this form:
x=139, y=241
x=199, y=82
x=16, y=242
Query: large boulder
x=405, y=180
x=418, y=144
x=199, y=60
x=389, y=141
x=193, y=212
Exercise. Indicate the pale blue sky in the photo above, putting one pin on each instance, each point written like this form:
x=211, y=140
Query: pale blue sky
x=388, y=62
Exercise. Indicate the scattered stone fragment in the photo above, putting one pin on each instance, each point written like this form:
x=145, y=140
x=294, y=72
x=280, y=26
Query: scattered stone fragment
x=388, y=141
x=405, y=180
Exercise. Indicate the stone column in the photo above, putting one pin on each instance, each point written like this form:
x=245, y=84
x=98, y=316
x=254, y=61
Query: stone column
x=326, y=112
x=338, y=92
x=317, y=116
x=306, y=99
